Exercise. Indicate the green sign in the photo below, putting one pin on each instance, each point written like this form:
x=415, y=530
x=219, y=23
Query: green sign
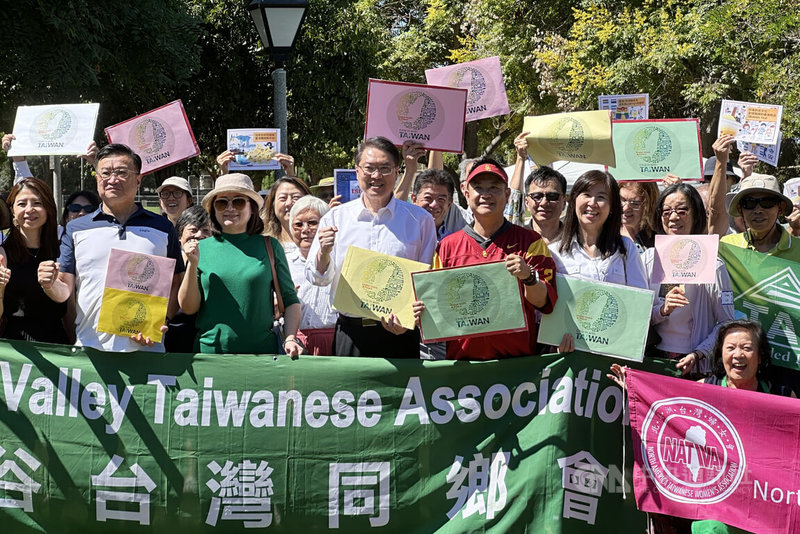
x=101, y=442
x=467, y=301
x=603, y=318
x=766, y=289
x=648, y=150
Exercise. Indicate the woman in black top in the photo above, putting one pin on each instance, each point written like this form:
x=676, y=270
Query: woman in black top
x=27, y=313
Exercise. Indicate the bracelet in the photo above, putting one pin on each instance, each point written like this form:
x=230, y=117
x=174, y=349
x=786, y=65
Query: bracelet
x=295, y=340
x=533, y=279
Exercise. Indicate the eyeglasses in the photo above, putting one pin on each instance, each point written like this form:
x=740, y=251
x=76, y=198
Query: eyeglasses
x=298, y=225
x=550, y=196
x=174, y=194
x=221, y=204
x=77, y=208
x=750, y=203
x=680, y=212
x=386, y=170
x=119, y=173
x=635, y=205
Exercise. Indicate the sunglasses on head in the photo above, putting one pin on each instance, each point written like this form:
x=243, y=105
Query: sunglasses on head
x=750, y=203
x=221, y=204
x=77, y=208
x=550, y=196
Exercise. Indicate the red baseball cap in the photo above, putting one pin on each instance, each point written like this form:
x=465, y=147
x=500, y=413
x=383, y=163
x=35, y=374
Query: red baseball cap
x=488, y=168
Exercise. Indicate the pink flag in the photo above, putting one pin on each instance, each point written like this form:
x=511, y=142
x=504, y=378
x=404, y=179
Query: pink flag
x=484, y=81
x=140, y=273
x=161, y=137
x=433, y=116
x=685, y=259
x=710, y=452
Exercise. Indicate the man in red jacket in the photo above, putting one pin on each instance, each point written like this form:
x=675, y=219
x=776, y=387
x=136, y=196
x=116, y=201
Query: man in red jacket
x=491, y=238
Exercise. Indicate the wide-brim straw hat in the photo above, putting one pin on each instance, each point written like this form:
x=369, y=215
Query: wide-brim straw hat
x=759, y=183
x=233, y=183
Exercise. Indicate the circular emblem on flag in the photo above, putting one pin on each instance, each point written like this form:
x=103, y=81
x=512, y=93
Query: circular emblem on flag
x=652, y=144
x=472, y=79
x=691, y=451
x=685, y=254
x=382, y=280
x=416, y=110
x=130, y=314
x=467, y=294
x=53, y=125
x=413, y=115
x=151, y=136
x=139, y=269
x=596, y=310
x=566, y=135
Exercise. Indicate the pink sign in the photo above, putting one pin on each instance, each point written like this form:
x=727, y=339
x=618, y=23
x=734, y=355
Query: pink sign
x=685, y=259
x=711, y=452
x=433, y=116
x=140, y=273
x=161, y=137
x=483, y=79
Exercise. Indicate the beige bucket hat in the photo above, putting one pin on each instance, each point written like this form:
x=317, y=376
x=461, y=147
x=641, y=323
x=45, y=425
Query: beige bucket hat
x=758, y=183
x=233, y=183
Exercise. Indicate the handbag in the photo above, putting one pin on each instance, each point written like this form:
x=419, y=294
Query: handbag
x=277, y=314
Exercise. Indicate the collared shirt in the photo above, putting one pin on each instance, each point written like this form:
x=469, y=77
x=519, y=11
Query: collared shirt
x=85, y=248
x=617, y=269
x=788, y=247
x=399, y=229
x=455, y=219
x=315, y=300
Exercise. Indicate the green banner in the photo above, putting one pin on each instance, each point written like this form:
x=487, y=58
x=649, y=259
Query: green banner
x=141, y=442
x=650, y=149
x=766, y=289
x=472, y=300
x=604, y=318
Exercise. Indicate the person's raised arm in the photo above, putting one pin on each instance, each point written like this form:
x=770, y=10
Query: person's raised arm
x=717, y=214
x=56, y=284
x=189, y=292
x=435, y=160
x=517, y=181
x=412, y=151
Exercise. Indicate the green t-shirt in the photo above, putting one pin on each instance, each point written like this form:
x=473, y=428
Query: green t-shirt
x=788, y=247
x=235, y=280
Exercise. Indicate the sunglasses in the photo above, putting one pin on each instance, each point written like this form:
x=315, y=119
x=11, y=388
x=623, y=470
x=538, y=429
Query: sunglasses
x=551, y=196
x=750, y=203
x=221, y=204
x=77, y=208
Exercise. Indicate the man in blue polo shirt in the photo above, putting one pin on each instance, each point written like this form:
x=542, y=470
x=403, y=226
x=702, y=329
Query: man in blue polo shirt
x=119, y=223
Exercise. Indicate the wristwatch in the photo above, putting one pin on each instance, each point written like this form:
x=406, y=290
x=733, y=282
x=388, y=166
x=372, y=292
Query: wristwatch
x=533, y=279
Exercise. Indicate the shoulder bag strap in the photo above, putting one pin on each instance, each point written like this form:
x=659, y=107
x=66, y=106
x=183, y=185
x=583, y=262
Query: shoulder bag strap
x=275, y=284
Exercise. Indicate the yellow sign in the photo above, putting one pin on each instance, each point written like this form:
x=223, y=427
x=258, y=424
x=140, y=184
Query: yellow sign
x=583, y=136
x=373, y=285
x=125, y=313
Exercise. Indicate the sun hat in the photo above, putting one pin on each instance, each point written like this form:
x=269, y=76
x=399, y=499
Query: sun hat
x=176, y=181
x=325, y=182
x=730, y=170
x=488, y=168
x=759, y=183
x=232, y=183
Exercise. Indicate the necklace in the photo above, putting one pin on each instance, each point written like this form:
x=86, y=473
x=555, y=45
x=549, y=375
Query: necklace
x=34, y=252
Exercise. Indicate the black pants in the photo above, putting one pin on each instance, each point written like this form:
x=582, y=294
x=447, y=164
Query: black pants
x=357, y=337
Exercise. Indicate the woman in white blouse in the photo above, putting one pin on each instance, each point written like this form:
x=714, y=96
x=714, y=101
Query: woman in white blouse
x=591, y=245
x=318, y=320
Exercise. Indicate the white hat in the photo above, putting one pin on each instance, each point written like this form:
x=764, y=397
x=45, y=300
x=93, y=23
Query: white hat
x=759, y=183
x=233, y=183
x=176, y=181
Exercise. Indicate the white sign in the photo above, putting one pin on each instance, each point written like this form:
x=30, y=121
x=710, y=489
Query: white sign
x=65, y=129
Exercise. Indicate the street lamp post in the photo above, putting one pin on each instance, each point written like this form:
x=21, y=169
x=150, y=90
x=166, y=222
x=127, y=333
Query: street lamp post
x=278, y=23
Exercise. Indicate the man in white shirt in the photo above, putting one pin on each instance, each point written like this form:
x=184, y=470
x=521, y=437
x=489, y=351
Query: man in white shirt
x=376, y=221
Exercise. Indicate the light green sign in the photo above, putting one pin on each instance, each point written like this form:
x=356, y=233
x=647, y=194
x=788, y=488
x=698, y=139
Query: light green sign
x=468, y=301
x=649, y=150
x=766, y=289
x=603, y=318
x=98, y=442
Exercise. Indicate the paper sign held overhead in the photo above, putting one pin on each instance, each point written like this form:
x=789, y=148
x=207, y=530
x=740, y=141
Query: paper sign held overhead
x=433, y=116
x=484, y=81
x=65, y=129
x=582, y=136
x=161, y=137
